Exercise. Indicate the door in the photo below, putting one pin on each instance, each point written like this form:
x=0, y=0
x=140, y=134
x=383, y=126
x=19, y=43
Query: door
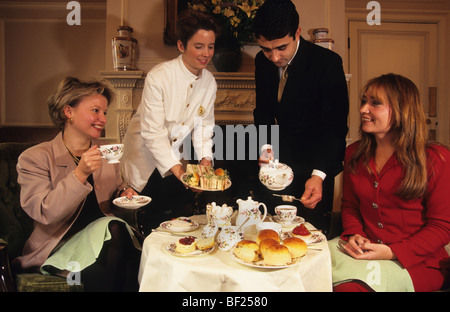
x=408, y=49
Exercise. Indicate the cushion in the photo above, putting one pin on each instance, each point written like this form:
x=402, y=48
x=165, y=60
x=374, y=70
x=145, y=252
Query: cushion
x=36, y=282
x=15, y=225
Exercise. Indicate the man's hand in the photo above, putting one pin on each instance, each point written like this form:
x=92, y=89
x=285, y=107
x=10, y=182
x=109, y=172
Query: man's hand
x=313, y=192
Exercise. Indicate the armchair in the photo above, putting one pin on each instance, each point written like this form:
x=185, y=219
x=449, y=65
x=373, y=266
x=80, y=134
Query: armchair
x=15, y=227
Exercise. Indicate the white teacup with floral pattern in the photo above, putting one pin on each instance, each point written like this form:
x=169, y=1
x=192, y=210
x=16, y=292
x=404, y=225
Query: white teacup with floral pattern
x=112, y=152
x=286, y=213
x=210, y=230
x=229, y=237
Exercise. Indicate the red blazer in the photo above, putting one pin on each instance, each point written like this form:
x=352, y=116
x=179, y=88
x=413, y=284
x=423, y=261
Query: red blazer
x=416, y=230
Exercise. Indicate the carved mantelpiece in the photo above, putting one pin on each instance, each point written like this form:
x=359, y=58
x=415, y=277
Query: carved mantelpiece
x=235, y=98
x=128, y=87
x=234, y=103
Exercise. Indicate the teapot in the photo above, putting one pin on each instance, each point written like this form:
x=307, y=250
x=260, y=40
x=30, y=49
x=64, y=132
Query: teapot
x=250, y=209
x=276, y=176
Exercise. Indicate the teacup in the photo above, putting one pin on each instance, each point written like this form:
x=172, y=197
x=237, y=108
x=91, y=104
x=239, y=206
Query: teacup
x=286, y=213
x=228, y=237
x=269, y=225
x=209, y=230
x=112, y=152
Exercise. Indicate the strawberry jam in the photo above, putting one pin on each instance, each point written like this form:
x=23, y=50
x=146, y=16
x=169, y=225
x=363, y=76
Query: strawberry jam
x=301, y=230
x=187, y=240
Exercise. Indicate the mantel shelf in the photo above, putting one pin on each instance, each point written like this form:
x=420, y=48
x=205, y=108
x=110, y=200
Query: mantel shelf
x=235, y=99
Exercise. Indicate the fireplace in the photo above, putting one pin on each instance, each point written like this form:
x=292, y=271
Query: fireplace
x=234, y=104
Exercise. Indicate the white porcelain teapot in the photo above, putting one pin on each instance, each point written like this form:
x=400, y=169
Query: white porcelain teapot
x=276, y=176
x=250, y=209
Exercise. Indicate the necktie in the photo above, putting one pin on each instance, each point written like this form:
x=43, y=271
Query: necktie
x=283, y=78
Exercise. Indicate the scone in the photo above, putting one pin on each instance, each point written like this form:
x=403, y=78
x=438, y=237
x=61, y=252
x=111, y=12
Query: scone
x=297, y=247
x=186, y=244
x=277, y=255
x=205, y=243
x=266, y=244
x=267, y=233
x=301, y=231
x=247, y=250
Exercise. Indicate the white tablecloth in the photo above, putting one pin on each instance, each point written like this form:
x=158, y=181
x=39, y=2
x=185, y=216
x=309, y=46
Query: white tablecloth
x=217, y=271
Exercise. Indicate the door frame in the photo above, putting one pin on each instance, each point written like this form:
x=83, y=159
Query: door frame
x=442, y=20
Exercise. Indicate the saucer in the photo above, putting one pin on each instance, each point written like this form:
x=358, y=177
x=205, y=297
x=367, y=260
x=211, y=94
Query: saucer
x=180, y=224
x=134, y=202
x=297, y=221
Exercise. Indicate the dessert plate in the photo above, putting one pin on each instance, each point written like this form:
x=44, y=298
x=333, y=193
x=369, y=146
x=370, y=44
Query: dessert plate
x=198, y=188
x=181, y=224
x=171, y=248
x=315, y=238
x=134, y=202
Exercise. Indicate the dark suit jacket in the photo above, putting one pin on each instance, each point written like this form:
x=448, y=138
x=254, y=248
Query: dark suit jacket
x=312, y=114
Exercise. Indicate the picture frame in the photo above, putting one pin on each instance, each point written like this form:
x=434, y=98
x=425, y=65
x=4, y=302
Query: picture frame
x=171, y=10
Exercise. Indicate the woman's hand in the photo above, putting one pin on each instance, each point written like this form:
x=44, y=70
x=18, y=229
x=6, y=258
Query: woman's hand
x=177, y=171
x=360, y=247
x=128, y=192
x=90, y=161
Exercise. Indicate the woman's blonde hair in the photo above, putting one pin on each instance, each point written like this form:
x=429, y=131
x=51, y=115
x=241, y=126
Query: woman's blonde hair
x=70, y=92
x=409, y=129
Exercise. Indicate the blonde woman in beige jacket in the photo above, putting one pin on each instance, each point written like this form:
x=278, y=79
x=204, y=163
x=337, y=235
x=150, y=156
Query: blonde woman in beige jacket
x=67, y=188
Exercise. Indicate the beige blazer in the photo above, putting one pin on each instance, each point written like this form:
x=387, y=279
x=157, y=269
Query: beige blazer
x=53, y=197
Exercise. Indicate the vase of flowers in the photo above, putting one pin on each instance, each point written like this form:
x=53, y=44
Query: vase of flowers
x=236, y=19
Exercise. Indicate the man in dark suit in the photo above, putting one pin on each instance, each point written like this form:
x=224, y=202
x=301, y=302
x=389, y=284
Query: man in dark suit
x=310, y=107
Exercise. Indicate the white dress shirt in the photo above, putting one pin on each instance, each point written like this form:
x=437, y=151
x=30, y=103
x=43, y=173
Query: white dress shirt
x=174, y=102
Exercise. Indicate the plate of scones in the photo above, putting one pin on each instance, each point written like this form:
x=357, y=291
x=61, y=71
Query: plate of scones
x=269, y=252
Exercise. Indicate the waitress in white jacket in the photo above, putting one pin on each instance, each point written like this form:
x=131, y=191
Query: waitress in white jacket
x=177, y=101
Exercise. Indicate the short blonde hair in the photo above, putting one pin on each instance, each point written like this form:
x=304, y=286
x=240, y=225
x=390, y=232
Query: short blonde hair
x=70, y=92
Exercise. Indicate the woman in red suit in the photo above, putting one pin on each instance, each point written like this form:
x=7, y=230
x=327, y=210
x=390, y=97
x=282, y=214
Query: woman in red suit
x=395, y=207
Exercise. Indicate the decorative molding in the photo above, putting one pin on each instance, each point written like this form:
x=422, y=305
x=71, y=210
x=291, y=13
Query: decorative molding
x=125, y=85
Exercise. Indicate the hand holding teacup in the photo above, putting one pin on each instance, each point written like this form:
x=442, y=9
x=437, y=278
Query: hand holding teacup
x=112, y=152
x=89, y=162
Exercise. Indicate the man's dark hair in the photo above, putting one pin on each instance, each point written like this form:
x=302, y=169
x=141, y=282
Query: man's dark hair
x=276, y=19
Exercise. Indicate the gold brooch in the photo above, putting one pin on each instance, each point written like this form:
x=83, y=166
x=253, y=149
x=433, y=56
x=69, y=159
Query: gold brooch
x=201, y=110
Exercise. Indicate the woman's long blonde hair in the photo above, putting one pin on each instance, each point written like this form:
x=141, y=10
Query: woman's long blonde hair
x=410, y=133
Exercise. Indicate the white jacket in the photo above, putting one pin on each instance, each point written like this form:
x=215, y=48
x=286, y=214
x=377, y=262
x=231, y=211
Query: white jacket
x=173, y=101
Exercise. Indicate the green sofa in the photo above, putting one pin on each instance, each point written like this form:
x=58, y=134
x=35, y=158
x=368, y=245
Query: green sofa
x=15, y=227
